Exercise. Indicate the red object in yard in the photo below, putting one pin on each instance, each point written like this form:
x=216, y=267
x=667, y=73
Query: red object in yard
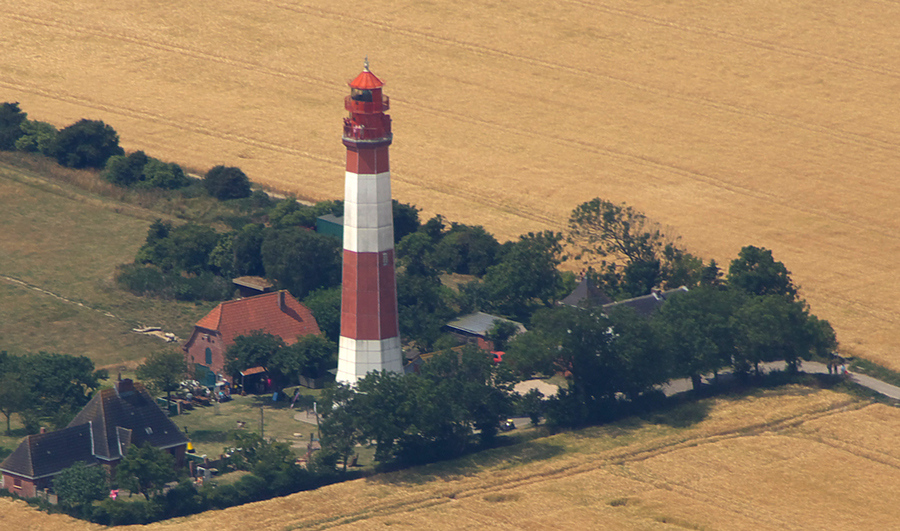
x=498, y=355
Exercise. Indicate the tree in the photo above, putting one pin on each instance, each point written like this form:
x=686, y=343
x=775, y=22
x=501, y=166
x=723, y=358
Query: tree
x=37, y=137
x=423, y=306
x=183, y=248
x=301, y=260
x=467, y=250
x=86, y=144
x=225, y=182
x=60, y=385
x=252, y=350
x=126, y=171
x=634, y=253
x=146, y=470
x=248, y=250
x=526, y=275
x=406, y=219
x=165, y=175
x=501, y=332
x=13, y=395
x=339, y=428
x=11, y=120
x=696, y=331
x=79, y=485
x=756, y=272
x=310, y=357
x=325, y=305
x=164, y=370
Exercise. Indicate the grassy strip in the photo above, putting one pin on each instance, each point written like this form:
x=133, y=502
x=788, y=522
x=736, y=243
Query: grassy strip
x=870, y=368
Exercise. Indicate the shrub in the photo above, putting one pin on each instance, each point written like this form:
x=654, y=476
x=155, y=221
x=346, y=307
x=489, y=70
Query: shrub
x=37, y=137
x=11, y=119
x=224, y=183
x=86, y=144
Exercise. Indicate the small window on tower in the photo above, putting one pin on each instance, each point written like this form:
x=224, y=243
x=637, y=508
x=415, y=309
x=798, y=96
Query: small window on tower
x=384, y=259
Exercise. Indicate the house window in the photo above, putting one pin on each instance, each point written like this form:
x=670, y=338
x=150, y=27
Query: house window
x=17, y=483
x=208, y=356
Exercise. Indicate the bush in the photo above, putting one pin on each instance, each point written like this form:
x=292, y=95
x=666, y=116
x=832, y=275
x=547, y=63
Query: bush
x=11, y=120
x=225, y=183
x=86, y=144
x=37, y=137
x=144, y=280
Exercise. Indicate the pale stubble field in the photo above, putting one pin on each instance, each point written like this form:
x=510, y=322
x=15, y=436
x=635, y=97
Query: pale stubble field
x=735, y=123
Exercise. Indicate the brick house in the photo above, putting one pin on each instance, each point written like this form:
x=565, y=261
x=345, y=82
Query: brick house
x=276, y=313
x=99, y=435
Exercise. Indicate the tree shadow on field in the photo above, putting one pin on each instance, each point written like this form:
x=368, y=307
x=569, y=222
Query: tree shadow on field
x=472, y=464
x=681, y=415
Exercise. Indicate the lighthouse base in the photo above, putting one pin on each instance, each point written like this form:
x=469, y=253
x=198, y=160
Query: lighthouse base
x=356, y=357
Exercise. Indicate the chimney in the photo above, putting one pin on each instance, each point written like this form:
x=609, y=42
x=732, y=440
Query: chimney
x=124, y=386
x=281, y=300
x=43, y=430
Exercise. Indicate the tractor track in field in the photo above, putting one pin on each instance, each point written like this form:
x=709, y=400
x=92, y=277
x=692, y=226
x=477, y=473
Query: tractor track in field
x=610, y=460
x=26, y=285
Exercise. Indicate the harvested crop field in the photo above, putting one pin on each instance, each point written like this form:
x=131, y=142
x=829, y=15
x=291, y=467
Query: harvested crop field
x=776, y=460
x=735, y=123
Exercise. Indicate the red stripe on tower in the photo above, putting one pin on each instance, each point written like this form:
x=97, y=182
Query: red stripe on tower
x=370, y=336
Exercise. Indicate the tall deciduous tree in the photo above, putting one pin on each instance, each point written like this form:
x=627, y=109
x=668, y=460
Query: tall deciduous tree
x=301, y=260
x=146, y=470
x=37, y=137
x=252, y=350
x=756, y=272
x=164, y=370
x=60, y=384
x=526, y=276
x=325, y=305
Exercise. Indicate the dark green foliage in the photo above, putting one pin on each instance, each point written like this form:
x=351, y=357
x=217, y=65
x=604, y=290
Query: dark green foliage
x=126, y=171
x=163, y=371
x=311, y=356
x=225, y=182
x=531, y=404
x=501, y=333
x=253, y=350
x=247, y=248
x=696, y=330
x=165, y=175
x=183, y=248
x=79, y=485
x=58, y=385
x=11, y=120
x=756, y=272
x=150, y=280
x=325, y=305
x=86, y=144
x=418, y=419
x=526, y=276
x=406, y=219
x=301, y=261
x=631, y=253
x=424, y=307
x=468, y=250
x=146, y=470
x=37, y=137
x=13, y=395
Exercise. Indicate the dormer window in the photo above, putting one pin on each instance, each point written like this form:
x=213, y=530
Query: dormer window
x=149, y=430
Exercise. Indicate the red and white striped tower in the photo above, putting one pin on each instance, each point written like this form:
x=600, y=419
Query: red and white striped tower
x=370, y=336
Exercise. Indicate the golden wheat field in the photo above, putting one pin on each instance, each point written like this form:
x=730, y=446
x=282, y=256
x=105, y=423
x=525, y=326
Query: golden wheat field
x=735, y=123
x=789, y=459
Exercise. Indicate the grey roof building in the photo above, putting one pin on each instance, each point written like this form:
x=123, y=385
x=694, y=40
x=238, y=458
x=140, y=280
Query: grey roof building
x=99, y=434
x=645, y=305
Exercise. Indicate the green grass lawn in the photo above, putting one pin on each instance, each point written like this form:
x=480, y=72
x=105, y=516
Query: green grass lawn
x=211, y=430
x=67, y=241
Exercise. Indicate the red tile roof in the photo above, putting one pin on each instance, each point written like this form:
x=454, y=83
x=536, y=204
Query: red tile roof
x=366, y=81
x=262, y=312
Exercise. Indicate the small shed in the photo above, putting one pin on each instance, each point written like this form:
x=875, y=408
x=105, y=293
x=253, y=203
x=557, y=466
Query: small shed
x=473, y=328
x=331, y=225
x=250, y=286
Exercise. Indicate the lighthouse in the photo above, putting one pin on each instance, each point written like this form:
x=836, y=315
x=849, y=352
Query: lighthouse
x=370, y=335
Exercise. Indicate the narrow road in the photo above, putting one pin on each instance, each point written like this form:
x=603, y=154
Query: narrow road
x=810, y=367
